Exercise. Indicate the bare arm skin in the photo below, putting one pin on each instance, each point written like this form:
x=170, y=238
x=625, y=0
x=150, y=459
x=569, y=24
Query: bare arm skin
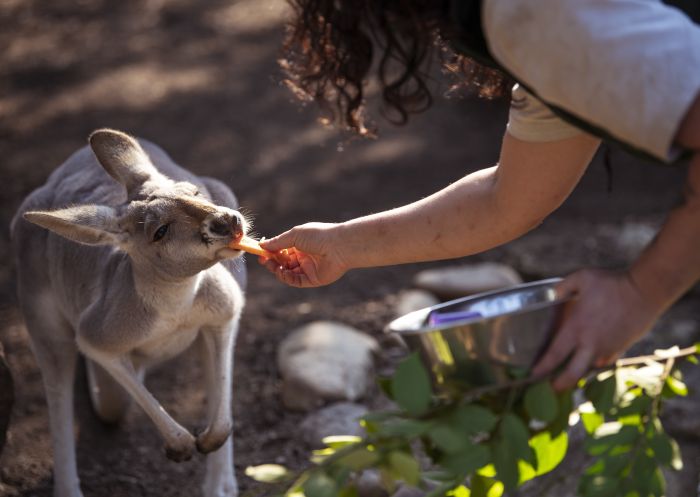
x=478, y=212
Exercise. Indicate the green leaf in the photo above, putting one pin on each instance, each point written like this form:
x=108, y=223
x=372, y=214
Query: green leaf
x=638, y=405
x=526, y=472
x=410, y=385
x=610, y=437
x=642, y=472
x=359, y=459
x=549, y=452
x=468, y=460
x=488, y=471
x=591, y=421
x=666, y=451
x=676, y=386
x=517, y=435
x=693, y=359
x=320, y=485
x=565, y=406
x=602, y=393
x=406, y=466
x=448, y=438
x=658, y=484
x=541, y=402
x=496, y=489
x=506, y=464
x=409, y=428
x=268, y=473
x=460, y=491
x=615, y=465
x=482, y=486
x=473, y=419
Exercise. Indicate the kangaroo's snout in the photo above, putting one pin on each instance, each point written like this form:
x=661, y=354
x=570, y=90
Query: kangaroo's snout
x=225, y=224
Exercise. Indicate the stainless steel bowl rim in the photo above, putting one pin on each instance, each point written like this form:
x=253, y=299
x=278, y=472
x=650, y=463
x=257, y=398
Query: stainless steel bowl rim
x=462, y=322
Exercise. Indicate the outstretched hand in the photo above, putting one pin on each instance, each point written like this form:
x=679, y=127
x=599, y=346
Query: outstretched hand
x=608, y=314
x=314, y=255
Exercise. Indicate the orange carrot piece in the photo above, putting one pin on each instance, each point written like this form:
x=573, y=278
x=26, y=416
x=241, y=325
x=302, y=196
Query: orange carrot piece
x=252, y=246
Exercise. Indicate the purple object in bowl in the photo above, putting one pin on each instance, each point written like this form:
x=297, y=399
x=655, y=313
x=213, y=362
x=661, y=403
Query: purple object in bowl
x=437, y=318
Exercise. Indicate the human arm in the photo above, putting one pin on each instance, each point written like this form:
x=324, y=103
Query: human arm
x=478, y=212
x=614, y=310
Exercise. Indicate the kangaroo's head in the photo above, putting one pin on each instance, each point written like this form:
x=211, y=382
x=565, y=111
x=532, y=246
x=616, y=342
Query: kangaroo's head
x=168, y=226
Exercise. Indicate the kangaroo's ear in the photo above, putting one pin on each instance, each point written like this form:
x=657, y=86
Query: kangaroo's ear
x=122, y=157
x=88, y=224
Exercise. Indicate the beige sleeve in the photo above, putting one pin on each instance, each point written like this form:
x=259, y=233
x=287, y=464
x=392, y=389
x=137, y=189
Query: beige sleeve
x=532, y=121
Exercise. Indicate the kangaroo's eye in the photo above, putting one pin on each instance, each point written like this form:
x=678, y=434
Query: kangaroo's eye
x=160, y=232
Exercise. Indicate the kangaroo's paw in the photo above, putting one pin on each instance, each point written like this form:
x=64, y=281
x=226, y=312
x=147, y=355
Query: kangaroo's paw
x=181, y=448
x=212, y=439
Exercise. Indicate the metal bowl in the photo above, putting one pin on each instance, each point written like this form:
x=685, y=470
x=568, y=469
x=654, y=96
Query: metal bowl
x=484, y=339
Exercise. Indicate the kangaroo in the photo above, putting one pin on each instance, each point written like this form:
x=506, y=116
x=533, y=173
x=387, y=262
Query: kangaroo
x=133, y=265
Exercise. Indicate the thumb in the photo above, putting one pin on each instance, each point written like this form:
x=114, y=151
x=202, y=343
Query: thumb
x=287, y=239
x=569, y=286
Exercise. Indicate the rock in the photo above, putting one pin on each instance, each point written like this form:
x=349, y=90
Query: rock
x=412, y=300
x=458, y=281
x=633, y=237
x=369, y=484
x=682, y=331
x=6, y=397
x=325, y=361
x=337, y=419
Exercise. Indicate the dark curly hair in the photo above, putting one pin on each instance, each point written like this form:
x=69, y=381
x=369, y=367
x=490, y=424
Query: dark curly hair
x=329, y=49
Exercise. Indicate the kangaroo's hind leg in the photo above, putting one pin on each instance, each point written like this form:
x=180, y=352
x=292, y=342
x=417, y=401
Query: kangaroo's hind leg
x=56, y=354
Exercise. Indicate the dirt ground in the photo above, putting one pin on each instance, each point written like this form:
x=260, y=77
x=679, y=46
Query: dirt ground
x=200, y=78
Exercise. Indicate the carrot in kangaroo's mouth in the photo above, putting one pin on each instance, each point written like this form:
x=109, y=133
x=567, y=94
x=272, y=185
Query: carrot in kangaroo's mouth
x=252, y=246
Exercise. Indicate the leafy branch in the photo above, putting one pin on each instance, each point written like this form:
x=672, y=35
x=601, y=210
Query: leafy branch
x=495, y=438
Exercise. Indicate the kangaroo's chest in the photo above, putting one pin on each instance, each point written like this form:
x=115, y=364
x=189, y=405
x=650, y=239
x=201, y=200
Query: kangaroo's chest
x=214, y=301
x=174, y=326
x=168, y=337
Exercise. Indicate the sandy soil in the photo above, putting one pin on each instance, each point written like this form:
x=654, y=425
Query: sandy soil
x=200, y=79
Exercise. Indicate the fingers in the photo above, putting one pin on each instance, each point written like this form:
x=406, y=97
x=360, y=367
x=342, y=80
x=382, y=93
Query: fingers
x=279, y=242
x=557, y=352
x=568, y=287
x=576, y=368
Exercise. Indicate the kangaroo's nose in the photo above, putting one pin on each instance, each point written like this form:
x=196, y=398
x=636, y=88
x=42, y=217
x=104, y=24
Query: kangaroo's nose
x=226, y=225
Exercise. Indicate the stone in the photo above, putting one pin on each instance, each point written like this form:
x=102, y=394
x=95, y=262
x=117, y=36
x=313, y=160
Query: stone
x=458, y=281
x=337, y=419
x=324, y=361
x=633, y=237
x=413, y=300
x=6, y=397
